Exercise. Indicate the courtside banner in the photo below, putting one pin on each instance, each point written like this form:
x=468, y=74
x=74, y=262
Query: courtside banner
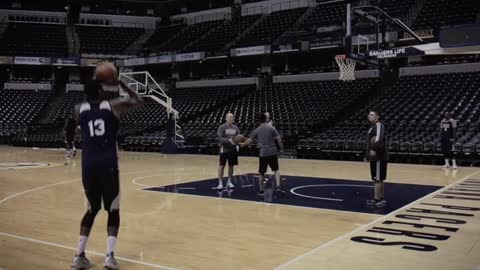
x=162, y=58
x=91, y=62
x=254, y=50
x=134, y=62
x=394, y=53
x=26, y=60
x=65, y=61
x=189, y=56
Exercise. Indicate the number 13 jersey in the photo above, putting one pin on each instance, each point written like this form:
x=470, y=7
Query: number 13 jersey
x=99, y=135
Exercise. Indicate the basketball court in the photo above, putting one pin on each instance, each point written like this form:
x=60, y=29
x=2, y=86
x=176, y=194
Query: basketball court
x=171, y=218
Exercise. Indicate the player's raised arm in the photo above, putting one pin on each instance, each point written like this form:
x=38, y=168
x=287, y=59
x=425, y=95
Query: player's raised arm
x=122, y=104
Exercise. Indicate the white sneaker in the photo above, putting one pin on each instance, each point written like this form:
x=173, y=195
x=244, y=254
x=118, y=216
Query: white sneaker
x=230, y=185
x=446, y=166
x=454, y=167
x=81, y=262
x=111, y=262
x=220, y=186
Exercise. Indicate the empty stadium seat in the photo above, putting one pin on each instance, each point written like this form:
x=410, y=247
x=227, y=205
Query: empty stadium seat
x=29, y=39
x=105, y=39
x=270, y=27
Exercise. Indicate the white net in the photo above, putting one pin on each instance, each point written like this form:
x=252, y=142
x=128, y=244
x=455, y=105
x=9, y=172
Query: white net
x=347, y=68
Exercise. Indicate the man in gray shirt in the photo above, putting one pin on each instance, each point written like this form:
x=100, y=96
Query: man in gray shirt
x=228, y=150
x=267, y=138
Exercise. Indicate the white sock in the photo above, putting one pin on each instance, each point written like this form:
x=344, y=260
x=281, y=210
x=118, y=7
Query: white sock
x=454, y=162
x=82, y=244
x=111, y=243
x=277, y=179
x=229, y=180
x=446, y=162
x=220, y=182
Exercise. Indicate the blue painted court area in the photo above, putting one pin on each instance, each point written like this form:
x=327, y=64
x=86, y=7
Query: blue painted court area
x=336, y=194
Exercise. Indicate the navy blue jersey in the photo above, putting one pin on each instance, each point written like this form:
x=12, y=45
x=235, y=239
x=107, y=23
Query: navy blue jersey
x=99, y=135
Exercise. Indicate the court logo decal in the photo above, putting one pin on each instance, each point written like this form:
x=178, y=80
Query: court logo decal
x=432, y=223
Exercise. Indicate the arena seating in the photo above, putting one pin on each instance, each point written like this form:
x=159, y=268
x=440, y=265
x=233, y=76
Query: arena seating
x=163, y=34
x=270, y=28
x=28, y=39
x=192, y=101
x=42, y=137
x=149, y=142
x=323, y=15
x=411, y=110
x=188, y=101
x=218, y=39
x=106, y=40
x=397, y=8
x=7, y=131
x=295, y=107
x=190, y=34
x=438, y=13
x=66, y=108
x=19, y=108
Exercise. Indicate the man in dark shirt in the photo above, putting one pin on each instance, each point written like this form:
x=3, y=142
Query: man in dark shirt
x=448, y=135
x=270, y=144
x=378, y=156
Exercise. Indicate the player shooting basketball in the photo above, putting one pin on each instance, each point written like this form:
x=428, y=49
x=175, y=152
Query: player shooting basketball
x=99, y=122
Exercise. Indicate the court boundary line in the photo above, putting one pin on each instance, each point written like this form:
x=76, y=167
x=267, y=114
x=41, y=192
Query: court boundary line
x=135, y=180
x=329, y=243
x=69, y=181
x=37, y=188
x=143, y=188
x=47, y=243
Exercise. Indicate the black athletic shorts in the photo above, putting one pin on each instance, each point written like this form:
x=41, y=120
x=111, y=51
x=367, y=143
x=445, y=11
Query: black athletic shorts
x=378, y=169
x=447, y=146
x=231, y=157
x=264, y=162
x=102, y=185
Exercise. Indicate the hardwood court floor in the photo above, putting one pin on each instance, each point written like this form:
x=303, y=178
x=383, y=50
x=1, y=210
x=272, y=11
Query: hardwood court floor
x=40, y=211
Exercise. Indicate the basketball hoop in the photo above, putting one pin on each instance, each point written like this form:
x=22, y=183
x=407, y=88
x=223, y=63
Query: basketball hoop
x=347, y=67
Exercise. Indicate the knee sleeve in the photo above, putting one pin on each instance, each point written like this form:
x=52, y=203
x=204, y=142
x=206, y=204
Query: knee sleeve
x=87, y=222
x=113, y=222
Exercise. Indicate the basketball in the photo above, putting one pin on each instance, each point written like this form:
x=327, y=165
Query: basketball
x=106, y=72
x=239, y=139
